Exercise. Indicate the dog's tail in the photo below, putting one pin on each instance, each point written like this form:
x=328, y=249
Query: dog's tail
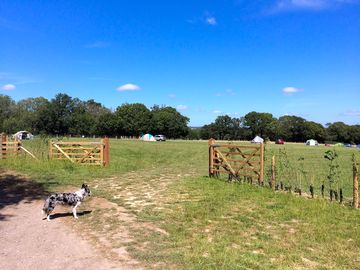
x=45, y=208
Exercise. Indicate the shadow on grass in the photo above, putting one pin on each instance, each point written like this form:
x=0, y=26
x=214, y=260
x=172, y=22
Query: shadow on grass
x=61, y=215
x=15, y=189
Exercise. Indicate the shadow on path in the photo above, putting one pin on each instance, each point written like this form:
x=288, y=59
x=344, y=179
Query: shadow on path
x=15, y=189
x=60, y=215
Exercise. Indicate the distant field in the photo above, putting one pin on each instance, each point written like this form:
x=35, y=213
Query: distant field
x=209, y=223
x=129, y=155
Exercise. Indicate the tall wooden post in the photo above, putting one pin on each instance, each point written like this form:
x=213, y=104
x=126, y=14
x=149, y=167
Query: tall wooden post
x=261, y=179
x=106, y=151
x=211, y=157
x=355, y=185
x=50, y=149
x=3, y=145
x=273, y=173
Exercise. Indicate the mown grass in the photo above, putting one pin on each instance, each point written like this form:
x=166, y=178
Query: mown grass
x=233, y=226
x=210, y=223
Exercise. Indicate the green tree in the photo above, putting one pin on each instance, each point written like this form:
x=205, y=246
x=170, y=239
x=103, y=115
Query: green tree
x=292, y=128
x=259, y=123
x=7, y=107
x=169, y=122
x=338, y=132
x=135, y=119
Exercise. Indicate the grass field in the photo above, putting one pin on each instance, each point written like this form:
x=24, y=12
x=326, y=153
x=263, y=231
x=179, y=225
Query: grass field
x=176, y=217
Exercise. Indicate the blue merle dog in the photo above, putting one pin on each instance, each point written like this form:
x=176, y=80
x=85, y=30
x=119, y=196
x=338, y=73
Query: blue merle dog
x=71, y=199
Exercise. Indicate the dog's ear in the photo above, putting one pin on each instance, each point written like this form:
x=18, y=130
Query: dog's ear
x=83, y=186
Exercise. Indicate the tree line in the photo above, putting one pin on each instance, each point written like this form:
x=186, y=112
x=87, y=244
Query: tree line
x=288, y=128
x=64, y=115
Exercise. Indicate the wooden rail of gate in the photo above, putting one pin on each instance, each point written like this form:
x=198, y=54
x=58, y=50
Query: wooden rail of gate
x=87, y=153
x=236, y=160
x=9, y=148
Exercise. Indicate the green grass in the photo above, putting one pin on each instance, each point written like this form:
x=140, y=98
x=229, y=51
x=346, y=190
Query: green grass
x=176, y=216
x=232, y=226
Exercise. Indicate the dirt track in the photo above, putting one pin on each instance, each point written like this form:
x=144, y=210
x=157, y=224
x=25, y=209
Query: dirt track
x=29, y=242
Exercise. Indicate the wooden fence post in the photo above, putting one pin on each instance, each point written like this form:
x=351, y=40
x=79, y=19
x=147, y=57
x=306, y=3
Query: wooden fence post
x=50, y=150
x=3, y=145
x=106, y=151
x=261, y=179
x=355, y=185
x=273, y=180
x=211, y=157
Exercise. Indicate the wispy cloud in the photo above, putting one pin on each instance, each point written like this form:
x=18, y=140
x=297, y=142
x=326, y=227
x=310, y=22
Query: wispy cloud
x=288, y=5
x=16, y=79
x=8, y=87
x=128, y=87
x=206, y=18
x=210, y=20
x=291, y=90
x=303, y=115
x=217, y=111
x=227, y=92
x=182, y=107
x=352, y=113
x=98, y=45
x=172, y=96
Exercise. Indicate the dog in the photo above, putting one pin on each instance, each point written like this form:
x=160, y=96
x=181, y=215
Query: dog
x=71, y=199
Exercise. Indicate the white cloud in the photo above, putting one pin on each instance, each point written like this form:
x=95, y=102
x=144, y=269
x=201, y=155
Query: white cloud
x=182, y=107
x=352, y=113
x=98, y=44
x=210, y=20
x=128, y=87
x=217, y=111
x=291, y=90
x=284, y=5
x=227, y=92
x=8, y=87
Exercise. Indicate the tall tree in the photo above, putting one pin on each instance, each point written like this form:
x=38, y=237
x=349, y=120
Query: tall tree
x=169, y=122
x=134, y=118
x=259, y=123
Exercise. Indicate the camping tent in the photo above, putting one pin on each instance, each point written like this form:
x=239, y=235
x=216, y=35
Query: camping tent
x=23, y=135
x=148, y=138
x=339, y=144
x=312, y=142
x=257, y=139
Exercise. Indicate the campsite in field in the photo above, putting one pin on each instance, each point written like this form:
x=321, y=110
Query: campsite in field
x=179, y=134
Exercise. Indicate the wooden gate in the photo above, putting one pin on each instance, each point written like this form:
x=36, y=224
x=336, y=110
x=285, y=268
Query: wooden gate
x=9, y=148
x=236, y=160
x=87, y=153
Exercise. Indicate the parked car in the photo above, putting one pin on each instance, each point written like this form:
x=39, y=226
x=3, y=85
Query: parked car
x=160, y=138
x=280, y=141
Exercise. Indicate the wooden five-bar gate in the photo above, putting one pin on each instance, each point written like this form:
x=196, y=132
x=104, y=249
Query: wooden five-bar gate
x=87, y=153
x=9, y=148
x=236, y=160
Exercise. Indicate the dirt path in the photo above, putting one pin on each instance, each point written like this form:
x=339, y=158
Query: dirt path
x=29, y=242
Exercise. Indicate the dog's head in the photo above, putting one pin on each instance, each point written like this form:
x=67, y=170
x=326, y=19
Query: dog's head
x=86, y=189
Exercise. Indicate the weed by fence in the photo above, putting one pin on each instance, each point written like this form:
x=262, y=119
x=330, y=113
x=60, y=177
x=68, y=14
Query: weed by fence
x=306, y=174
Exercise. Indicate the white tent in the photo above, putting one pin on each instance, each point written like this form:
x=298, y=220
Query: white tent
x=312, y=142
x=257, y=139
x=23, y=135
x=148, y=138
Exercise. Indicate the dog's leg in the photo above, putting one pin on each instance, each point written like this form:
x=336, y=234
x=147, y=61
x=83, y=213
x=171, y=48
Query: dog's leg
x=74, y=209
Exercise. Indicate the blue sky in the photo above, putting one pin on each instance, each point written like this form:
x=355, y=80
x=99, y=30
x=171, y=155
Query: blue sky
x=205, y=58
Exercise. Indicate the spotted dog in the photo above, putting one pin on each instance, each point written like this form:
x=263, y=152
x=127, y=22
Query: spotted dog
x=71, y=199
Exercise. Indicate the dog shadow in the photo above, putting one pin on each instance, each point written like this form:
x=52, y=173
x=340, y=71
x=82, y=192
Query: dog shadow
x=68, y=214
